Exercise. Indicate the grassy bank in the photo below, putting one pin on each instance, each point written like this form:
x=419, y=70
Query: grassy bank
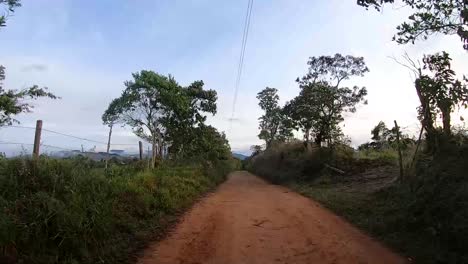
x=423, y=219
x=75, y=211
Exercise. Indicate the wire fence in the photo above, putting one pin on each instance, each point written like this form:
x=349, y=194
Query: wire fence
x=18, y=140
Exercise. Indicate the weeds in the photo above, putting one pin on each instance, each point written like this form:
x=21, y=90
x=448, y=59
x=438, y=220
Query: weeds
x=72, y=211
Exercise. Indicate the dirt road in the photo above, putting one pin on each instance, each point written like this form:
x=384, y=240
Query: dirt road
x=249, y=221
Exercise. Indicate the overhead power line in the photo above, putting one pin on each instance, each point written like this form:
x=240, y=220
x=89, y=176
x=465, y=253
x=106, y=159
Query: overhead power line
x=68, y=135
x=240, y=66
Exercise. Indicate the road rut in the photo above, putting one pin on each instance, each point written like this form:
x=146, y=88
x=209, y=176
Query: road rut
x=249, y=221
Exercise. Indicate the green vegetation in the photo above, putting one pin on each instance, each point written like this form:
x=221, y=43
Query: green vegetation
x=447, y=17
x=169, y=116
x=81, y=211
x=14, y=102
x=423, y=218
x=416, y=203
x=75, y=211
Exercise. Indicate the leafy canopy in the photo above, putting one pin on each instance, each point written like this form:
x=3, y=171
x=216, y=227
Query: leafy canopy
x=319, y=107
x=274, y=124
x=441, y=89
x=447, y=17
x=164, y=113
x=14, y=102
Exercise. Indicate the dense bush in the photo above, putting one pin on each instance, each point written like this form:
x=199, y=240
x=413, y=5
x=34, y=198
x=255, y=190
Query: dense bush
x=293, y=161
x=287, y=162
x=70, y=211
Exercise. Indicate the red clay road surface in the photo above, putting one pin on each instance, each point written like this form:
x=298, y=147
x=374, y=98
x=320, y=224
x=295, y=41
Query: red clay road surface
x=248, y=220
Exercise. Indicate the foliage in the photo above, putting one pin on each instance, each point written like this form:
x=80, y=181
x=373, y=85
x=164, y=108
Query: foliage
x=448, y=17
x=70, y=211
x=285, y=162
x=13, y=102
x=185, y=125
x=11, y=5
x=273, y=125
x=319, y=107
x=256, y=149
x=384, y=138
x=440, y=89
x=425, y=220
x=166, y=114
x=207, y=145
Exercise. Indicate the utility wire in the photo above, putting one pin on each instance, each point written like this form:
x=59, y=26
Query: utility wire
x=29, y=144
x=67, y=135
x=241, y=57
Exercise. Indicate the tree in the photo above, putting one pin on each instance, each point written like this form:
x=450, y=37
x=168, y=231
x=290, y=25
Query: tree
x=440, y=88
x=383, y=137
x=11, y=5
x=256, y=149
x=319, y=107
x=439, y=92
x=190, y=111
x=143, y=105
x=13, y=102
x=447, y=17
x=209, y=144
x=273, y=124
x=166, y=114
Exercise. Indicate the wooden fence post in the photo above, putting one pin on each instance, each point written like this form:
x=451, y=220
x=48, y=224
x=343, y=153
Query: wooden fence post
x=140, y=146
x=400, y=158
x=37, y=139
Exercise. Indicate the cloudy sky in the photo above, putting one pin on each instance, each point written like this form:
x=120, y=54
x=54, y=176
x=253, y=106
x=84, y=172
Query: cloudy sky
x=84, y=51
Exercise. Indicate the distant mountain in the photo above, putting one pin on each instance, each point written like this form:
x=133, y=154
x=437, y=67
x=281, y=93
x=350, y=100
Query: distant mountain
x=239, y=156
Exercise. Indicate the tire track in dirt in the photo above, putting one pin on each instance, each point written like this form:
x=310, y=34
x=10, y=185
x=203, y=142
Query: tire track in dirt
x=250, y=221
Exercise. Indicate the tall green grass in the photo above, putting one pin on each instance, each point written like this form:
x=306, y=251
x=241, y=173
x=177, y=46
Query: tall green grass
x=72, y=211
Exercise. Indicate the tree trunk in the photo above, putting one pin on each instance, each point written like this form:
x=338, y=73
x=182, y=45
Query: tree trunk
x=446, y=120
x=307, y=138
x=161, y=146
x=427, y=120
x=153, y=152
x=400, y=158
x=319, y=139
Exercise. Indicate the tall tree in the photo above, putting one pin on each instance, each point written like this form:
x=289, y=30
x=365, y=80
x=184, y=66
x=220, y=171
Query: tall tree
x=166, y=114
x=189, y=113
x=439, y=92
x=447, y=17
x=273, y=126
x=441, y=89
x=143, y=105
x=319, y=107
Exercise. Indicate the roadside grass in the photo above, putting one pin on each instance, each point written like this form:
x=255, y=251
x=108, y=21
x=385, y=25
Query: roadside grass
x=380, y=214
x=74, y=211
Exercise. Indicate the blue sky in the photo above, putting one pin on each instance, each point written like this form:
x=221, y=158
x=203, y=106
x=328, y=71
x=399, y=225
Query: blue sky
x=84, y=51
